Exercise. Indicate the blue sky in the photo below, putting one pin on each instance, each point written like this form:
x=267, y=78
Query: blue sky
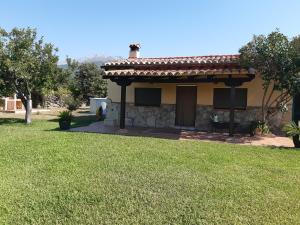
x=83, y=28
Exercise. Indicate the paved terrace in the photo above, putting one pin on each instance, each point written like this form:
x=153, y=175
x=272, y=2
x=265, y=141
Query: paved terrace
x=176, y=134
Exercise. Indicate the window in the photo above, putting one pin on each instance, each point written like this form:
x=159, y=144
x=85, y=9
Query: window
x=222, y=98
x=147, y=96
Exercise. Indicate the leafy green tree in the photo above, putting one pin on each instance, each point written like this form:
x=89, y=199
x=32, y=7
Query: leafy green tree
x=59, y=83
x=87, y=81
x=296, y=45
x=274, y=57
x=27, y=64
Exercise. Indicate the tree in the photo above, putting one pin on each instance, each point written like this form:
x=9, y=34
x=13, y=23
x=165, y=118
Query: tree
x=87, y=81
x=26, y=64
x=274, y=57
x=296, y=45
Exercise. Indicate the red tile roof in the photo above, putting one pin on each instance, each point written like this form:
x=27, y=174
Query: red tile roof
x=176, y=66
x=211, y=59
x=173, y=73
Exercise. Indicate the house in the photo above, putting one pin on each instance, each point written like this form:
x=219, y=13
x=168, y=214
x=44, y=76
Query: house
x=183, y=92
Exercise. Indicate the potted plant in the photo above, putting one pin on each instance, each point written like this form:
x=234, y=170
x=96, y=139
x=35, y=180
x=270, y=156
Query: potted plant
x=293, y=130
x=65, y=118
x=259, y=128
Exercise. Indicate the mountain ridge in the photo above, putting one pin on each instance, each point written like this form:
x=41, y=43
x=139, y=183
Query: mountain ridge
x=99, y=60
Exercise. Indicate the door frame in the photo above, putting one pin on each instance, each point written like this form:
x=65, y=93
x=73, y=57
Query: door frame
x=185, y=85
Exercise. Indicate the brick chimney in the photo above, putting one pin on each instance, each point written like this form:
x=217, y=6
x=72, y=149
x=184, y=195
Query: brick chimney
x=134, y=51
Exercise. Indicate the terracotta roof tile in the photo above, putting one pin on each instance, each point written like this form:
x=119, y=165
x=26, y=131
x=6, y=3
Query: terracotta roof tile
x=177, y=66
x=161, y=73
x=212, y=59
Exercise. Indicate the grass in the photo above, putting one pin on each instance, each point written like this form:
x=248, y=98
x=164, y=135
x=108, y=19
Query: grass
x=54, y=177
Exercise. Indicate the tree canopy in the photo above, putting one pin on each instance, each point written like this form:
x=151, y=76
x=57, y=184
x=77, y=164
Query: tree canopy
x=87, y=81
x=296, y=45
x=27, y=64
x=275, y=58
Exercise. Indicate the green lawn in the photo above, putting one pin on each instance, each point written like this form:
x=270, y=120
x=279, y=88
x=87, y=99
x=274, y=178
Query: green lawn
x=53, y=177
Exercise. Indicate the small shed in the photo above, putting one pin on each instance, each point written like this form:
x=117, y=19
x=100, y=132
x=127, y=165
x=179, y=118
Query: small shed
x=95, y=103
x=12, y=104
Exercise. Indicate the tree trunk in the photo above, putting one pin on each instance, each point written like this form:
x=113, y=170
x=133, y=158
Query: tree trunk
x=28, y=110
x=263, y=113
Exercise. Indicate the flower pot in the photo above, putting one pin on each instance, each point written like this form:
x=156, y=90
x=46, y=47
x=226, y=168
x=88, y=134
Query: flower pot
x=296, y=141
x=64, y=124
x=258, y=131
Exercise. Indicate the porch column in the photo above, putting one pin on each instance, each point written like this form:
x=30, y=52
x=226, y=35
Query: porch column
x=231, y=115
x=123, y=106
x=123, y=82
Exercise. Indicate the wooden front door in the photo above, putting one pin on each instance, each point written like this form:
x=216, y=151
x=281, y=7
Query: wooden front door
x=186, y=100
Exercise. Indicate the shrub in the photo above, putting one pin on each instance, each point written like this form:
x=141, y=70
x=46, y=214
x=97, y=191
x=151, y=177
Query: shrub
x=65, y=116
x=259, y=127
x=72, y=104
x=293, y=130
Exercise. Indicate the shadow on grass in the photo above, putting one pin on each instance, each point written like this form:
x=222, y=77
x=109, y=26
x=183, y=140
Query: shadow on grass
x=78, y=121
x=10, y=121
x=178, y=134
x=282, y=148
x=87, y=112
x=162, y=133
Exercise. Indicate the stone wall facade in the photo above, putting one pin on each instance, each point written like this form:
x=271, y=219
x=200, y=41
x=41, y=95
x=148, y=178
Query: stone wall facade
x=142, y=116
x=164, y=116
x=243, y=117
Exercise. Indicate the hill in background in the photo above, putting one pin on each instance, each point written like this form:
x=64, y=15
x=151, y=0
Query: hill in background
x=99, y=60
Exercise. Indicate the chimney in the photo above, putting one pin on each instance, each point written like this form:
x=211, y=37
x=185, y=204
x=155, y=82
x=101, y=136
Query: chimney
x=134, y=51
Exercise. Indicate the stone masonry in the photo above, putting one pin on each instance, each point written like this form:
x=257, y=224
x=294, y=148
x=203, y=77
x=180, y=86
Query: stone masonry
x=164, y=116
x=142, y=116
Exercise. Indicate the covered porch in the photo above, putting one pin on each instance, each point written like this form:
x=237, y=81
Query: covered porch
x=230, y=80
